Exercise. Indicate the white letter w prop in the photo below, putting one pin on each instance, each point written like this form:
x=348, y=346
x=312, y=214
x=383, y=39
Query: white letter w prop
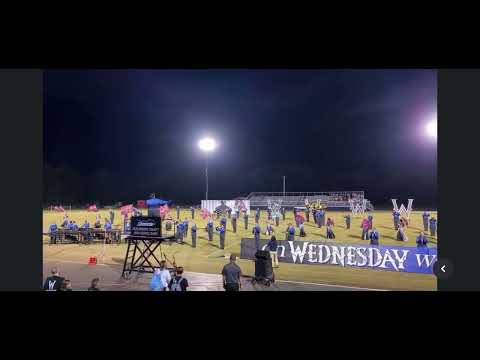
x=404, y=212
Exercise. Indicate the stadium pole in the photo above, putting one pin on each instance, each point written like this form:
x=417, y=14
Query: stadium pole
x=206, y=177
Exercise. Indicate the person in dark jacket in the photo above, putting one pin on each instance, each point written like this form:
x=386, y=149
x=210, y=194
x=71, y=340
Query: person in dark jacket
x=54, y=281
x=348, y=220
x=272, y=248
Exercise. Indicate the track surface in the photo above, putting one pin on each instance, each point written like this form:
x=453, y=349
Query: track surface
x=111, y=280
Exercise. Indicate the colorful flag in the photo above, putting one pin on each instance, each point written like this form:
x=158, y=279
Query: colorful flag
x=125, y=210
x=92, y=208
x=204, y=213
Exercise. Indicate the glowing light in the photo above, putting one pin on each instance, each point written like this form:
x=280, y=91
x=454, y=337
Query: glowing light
x=431, y=129
x=207, y=144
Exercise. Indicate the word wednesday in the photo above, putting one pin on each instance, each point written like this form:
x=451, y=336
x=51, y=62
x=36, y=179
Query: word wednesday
x=392, y=258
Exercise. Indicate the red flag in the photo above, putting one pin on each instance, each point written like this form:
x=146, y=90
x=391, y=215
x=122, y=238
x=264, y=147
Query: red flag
x=59, y=209
x=92, y=208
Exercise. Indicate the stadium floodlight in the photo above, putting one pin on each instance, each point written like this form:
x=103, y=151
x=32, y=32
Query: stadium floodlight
x=207, y=145
x=431, y=129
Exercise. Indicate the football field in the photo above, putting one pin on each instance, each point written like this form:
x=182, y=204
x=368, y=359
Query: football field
x=208, y=258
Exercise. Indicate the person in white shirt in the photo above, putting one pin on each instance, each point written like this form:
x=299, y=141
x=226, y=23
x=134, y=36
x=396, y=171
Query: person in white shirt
x=161, y=278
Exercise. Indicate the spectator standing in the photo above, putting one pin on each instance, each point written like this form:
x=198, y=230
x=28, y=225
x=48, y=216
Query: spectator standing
x=231, y=275
x=272, y=248
x=178, y=282
x=161, y=278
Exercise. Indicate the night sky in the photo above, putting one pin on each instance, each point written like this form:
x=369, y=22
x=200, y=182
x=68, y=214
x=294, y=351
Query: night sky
x=118, y=135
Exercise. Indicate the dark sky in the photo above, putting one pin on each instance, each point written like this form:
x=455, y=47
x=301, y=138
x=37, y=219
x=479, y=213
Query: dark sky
x=127, y=133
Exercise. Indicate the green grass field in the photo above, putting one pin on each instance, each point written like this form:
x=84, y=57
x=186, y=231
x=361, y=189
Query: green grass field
x=208, y=258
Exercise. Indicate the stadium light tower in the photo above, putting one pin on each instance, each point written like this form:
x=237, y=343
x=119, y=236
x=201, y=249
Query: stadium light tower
x=207, y=145
x=431, y=128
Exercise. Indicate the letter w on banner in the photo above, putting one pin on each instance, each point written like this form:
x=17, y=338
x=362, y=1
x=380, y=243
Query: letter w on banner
x=405, y=212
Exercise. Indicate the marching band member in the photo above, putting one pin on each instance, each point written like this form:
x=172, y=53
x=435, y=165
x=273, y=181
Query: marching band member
x=425, y=217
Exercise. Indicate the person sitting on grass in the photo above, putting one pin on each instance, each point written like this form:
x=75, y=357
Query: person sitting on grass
x=374, y=237
x=94, y=285
x=178, y=282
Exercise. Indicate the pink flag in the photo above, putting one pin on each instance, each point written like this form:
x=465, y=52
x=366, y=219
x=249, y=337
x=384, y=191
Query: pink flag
x=204, y=213
x=125, y=210
x=59, y=209
x=92, y=208
x=164, y=211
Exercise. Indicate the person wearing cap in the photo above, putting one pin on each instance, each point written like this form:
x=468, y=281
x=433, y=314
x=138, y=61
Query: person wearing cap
x=231, y=274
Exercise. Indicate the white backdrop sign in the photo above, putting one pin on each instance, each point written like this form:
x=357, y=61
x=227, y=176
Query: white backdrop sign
x=222, y=205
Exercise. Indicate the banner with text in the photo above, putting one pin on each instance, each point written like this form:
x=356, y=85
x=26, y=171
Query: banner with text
x=390, y=258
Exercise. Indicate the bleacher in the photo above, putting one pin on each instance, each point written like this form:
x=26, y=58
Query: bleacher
x=333, y=200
